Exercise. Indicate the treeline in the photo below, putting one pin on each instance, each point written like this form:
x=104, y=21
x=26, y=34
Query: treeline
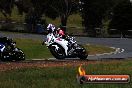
x=96, y=14
x=35, y=9
x=113, y=15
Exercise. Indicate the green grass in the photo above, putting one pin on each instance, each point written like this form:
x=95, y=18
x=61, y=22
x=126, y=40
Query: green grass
x=35, y=50
x=98, y=49
x=63, y=77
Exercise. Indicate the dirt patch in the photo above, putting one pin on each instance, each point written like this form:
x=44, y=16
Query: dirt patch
x=4, y=66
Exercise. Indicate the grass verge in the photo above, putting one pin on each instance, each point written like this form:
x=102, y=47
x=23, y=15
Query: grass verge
x=34, y=49
x=98, y=49
x=64, y=76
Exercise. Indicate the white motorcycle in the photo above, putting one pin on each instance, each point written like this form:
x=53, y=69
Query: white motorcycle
x=62, y=48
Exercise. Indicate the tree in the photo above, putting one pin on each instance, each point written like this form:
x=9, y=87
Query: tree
x=62, y=9
x=23, y=6
x=27, y=8
x=122, y=17
x=50, y=8
x=6, y=7
x=94, y=11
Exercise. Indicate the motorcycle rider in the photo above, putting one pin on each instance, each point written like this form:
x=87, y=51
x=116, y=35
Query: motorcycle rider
x=4, y=41
x=61, y=48
x=58, y=32
x=51, y=28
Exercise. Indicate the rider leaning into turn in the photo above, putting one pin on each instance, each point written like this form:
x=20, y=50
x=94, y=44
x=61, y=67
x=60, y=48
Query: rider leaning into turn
x=61, y=45
x=4, y=41
x=59, y=33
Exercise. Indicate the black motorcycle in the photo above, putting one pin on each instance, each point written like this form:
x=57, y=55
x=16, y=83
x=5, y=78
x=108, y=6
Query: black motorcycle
x=10, y=51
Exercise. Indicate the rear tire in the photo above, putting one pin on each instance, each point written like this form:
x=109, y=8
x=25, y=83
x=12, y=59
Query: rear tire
x=82, y=53
x=83, y=56
x=57, y=53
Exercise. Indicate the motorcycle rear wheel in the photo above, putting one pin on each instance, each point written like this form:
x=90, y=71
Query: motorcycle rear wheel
x=82, y=53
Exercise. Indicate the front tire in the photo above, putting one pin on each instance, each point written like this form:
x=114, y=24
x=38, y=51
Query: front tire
x=57, y=51
x=19, y=55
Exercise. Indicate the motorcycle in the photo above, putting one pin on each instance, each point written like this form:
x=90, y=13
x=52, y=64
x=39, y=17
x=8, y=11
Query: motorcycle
x=10, y=52
x=65, y=48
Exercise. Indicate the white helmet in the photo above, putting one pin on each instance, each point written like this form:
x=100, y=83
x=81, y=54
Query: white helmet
x=50, y=28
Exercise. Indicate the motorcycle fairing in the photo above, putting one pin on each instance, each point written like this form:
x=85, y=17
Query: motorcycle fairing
x=52, y=39
x=2, y=47
x=64, y=44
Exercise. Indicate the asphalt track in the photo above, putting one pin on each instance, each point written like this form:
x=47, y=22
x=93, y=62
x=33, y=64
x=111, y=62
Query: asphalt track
x=123, y=45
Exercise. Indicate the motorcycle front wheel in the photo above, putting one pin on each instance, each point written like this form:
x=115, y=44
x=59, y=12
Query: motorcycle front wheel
x=18, y=55
x=57, y=51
